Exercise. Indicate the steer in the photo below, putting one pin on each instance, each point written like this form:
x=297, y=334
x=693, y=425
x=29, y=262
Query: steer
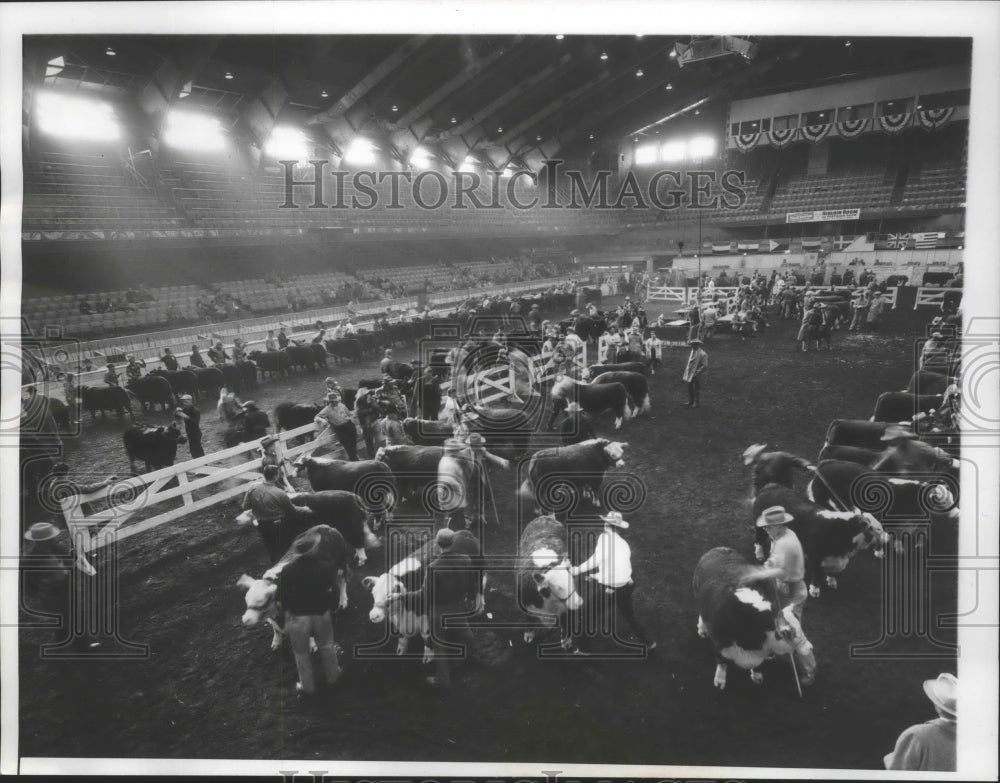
x=415, y=468
x=856, y=432
x=928, y=382
x=344, y=348
x=291, y=416
x=898, y=503
x=406, y=614
x=546, y=589
x=109, y=398
x=737, y=610
x=322, y=543
x=156, y=446
x=344, y=512
x=582, y=465
x=371, y=481
x=635, y=384
x=849, y=454
x=591, y=398
x=152, y=390
x=427, y=432
x=829, y=538
x=903, y=406
x=640, y=367
x=271, y=362
x=301, y=356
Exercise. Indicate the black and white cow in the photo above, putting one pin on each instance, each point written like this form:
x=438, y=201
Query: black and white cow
x=371, y=481
x=546, y=589
x=342, y=511
x=407, y=614
x=829, y=538
x=581, y=465
x=903, y=406
x=155, y=446
x=738, y=611
x=322, y=543
x=591, y=398
x=635, y=384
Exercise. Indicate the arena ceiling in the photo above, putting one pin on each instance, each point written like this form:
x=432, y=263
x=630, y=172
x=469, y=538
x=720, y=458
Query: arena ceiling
x=505, y=97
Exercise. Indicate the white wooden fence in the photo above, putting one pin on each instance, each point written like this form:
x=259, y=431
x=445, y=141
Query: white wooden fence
x=227, y=474
x=931, y=296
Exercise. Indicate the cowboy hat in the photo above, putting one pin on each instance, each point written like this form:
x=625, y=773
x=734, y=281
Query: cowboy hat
x=250, y=404
x=187, y=397
x=453, y=446
x=614, y=518
x=333, y=396
x=775, y=515
x=41, y=531
x=695, y=342
x=752, y=452
x=942, y=692
x=895, y=432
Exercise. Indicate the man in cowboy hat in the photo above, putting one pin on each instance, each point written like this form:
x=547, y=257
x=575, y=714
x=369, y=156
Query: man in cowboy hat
x=47, y=581
x=773, y=467
x=697, y=363
x=930, y=746
x=134, y=368
x=612, y=578
x=787, y=559
x=270, y=504
x=111, y=377
x=908, y=454
x=191, y=416
x=337, y=423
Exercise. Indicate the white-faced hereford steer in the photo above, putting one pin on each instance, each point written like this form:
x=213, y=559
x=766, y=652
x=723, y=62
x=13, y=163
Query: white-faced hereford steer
x=544, y=582
x=322, y=543
x=591, y=398
x=829, y=538
x=583, y=465
x=393, y=597
x=737, y=610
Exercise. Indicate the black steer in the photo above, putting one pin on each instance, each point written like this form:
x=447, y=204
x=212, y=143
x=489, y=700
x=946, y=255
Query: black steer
x=937, y=278
x=272, y=362
x=371, y=481
x=152, y=390
x=850, y=454
x=640, y=367
x=415, y=468
x=344, y=512
x=857, y=432
x=108, y=398
x=301, y=356
x=576, y=428
x=209, y=380
x=927, y=382
x=156, y=447
x=344, y=349
x=903, y=406
x=181, y=381
x=427, y=432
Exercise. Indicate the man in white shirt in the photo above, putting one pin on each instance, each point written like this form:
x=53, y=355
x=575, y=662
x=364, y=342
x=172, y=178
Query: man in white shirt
x=787, y=558
x=612, y=564
x=573, y=339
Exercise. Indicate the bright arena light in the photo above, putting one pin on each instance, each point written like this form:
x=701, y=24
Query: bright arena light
x=361, y=152
x=188, y=130
x=287, y=143
x=673, y=151
x=701, y=147
x=646, y=154
x=468, y=165
x=420, y=158
x=73, y=117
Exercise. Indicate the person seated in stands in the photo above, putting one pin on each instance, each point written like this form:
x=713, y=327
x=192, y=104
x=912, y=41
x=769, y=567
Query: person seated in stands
x=217, y=353
x=197, y=360
x=86, y=308
x=169, y=361
x=103, y=305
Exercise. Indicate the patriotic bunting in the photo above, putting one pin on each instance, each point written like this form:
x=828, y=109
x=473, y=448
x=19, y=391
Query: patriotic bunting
x=850, y=129
x=894, y=123
x=782, y=138
x=815, y=133
x=746, y=141
x=932, y=119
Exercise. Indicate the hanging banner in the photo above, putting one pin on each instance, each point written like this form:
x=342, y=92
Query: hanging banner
x=746, y=141
x=932, y=119
x=823, y=215
x=782, y=138
x=849, y=129
x=815, y=133
x=722, y=247
x=894, y=123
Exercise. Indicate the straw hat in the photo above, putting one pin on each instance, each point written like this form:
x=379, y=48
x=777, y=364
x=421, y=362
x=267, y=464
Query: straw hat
x=943, y=692
x=775, y=515
x=42, y=531
x=752, y=452
x=695, y=342
x=453, y=446
x=614, y=518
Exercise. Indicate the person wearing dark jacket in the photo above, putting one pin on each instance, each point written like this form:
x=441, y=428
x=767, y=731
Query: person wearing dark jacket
x=255, y=422
x=197, y=360
x=169, y=361
x=773, y=467
x=307, y=590
x=191, y=417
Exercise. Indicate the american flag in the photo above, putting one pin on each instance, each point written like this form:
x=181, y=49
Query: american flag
x=897, y=241
x=927, y=240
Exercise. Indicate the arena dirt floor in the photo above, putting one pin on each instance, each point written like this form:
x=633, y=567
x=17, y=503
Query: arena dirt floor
x=211, y=689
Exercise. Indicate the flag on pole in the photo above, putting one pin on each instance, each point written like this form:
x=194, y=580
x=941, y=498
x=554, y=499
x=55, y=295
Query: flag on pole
x=722, y=247
x=810, y=244
x=927, y=239
x=843, y=242
x=897, y=241
x=747, y=245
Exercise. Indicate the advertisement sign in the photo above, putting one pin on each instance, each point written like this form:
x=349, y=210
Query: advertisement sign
x=823, y=216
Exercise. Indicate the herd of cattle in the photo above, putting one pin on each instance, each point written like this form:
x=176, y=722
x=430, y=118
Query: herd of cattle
x=349, y=501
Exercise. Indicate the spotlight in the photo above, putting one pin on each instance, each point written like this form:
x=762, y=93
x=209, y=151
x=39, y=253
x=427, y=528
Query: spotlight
x=229, y=75
x=499, y=130
x=324, y=94
x=673, y=52
x=110, y=52
x=639, y=74
x=847, y=43
x=453, y=120
x=669, y=86
x=604, y=55
x=560, y=37
x=591, y=136
x=697, y=111
x=395, y=108
x=538, y=138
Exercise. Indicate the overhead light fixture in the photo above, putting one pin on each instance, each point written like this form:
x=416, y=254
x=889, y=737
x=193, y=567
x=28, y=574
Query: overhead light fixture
x=697, y=111
x=110, y=52
x=324, y=94
x=499, y=130
x=185, y=90
x=669, y=86
x=395, y=107
x=639, y=74
x=55, y=66
x=560, y=37
x=847, y=43
x=453, y=120
x=604, y=55
x=591, y=136
x=538, y=138
x=361, y=152
x=420, y=158
x=229, y=75
x=920, y=106
x=673, y=52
